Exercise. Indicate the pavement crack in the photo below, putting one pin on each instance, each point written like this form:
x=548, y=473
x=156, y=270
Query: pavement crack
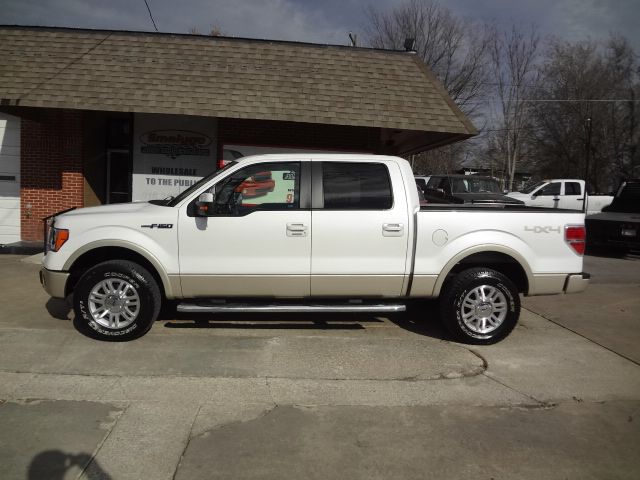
x=539, y=403
x=186, y=445
x=262, y=414
x=268, y=384
x=104, y=440
x=485, y=362
x=583, y=336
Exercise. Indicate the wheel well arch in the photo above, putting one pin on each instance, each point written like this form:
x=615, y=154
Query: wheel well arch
x=98, y=255
x=506, y=263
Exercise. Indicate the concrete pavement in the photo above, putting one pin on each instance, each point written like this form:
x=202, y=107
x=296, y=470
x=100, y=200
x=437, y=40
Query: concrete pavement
x=608, y=313
x=298, y=396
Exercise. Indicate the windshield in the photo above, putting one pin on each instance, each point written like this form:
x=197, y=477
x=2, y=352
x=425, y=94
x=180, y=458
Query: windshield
x=531, y=187
x=176, y=200
x=474, y=185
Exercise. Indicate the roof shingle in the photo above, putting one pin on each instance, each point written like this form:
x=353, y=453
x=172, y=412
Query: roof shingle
x=223, y=77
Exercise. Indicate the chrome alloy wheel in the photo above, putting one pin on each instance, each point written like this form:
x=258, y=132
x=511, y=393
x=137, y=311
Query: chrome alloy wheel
x=484, y=309
x=114, y=303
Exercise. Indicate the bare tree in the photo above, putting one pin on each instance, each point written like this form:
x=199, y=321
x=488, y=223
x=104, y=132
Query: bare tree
x=586, y=117
x=623, y=135
x=215, y=31
x=513, y=56
x=455, y=49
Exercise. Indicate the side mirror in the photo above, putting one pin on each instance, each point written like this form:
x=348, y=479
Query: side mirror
x=204, y=205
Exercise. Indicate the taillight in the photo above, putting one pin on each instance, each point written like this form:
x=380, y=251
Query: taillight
x=575, y=236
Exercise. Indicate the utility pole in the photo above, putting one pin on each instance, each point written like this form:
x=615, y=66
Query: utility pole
x=588, y=124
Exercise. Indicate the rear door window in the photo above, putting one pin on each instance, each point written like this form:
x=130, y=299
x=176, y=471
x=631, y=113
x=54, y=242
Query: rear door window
x=572, y=188
x=356, y=186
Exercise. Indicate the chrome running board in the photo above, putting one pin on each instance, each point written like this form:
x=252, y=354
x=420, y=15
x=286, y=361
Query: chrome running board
x=275, y=308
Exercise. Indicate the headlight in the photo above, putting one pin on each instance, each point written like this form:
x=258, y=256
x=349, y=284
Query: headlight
x=57, y=238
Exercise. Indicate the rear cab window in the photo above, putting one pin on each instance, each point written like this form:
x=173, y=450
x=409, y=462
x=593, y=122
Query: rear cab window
x=356, y=186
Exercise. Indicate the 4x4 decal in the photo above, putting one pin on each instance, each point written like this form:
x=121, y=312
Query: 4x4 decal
x=538, y=229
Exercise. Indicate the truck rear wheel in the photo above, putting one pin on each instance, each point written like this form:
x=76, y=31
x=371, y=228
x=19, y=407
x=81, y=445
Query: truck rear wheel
x=480, y=306
x=117, y=300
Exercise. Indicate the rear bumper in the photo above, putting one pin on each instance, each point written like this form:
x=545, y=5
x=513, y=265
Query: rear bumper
x=577, y=282
x=54, y=282
x=553, y=284
x=610, y=233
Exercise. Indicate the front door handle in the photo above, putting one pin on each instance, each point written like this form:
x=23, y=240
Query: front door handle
x=296, y=230
x=392, y=229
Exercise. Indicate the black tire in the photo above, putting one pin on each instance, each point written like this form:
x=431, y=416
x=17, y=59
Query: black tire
x=463, y=285
x=118, y=272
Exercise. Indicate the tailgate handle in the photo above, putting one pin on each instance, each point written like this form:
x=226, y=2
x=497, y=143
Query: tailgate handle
x=392, y=229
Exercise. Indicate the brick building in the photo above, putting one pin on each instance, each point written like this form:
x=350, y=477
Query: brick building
x=91, y=116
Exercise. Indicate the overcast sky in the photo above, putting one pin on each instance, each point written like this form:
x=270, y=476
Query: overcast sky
x=321, y=21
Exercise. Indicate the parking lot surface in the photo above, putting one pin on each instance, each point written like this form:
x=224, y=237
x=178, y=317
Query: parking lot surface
x=324, y=396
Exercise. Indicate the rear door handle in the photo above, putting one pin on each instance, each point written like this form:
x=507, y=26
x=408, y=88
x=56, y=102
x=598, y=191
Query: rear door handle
x=296, y=230
x=392, y=229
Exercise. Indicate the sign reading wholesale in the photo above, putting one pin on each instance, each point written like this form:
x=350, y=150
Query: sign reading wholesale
x=170, y=153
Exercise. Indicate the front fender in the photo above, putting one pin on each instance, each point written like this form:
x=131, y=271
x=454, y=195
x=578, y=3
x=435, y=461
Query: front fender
x=163, y=260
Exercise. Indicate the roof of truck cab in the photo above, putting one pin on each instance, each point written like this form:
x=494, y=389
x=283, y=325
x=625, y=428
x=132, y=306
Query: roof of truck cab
x=346, y=157
x=336, y=157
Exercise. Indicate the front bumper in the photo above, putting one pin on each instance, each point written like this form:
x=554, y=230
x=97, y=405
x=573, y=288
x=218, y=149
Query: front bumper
x=54, y=282
x=577, y=282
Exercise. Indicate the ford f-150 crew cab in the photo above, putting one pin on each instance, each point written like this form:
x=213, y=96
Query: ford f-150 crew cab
x=336, y=233
x=562, y=193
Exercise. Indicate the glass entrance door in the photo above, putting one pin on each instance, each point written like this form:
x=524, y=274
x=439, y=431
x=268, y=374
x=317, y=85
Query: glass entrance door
x=118, y=176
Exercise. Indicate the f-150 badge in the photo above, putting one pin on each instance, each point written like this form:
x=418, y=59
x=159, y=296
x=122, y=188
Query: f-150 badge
x=158, y=225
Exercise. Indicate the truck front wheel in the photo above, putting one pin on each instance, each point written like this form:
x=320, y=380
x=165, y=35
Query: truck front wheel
x=480, y=306
x=116, y=300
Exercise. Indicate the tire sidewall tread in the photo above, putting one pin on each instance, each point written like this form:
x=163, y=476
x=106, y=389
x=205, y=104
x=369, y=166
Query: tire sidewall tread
x=458, y=288
x=139, y=277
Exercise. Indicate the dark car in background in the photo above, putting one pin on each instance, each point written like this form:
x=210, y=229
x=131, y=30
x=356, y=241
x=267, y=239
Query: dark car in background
x=466, y=189
x=617, y=227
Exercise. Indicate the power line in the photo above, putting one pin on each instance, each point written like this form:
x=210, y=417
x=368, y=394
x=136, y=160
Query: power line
x=612, y=100
x=65, y=67
x=552, y=100
x=151, y=16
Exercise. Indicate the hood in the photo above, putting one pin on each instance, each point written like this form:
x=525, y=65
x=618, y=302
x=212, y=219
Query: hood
x=111, y=209
x=519, y=195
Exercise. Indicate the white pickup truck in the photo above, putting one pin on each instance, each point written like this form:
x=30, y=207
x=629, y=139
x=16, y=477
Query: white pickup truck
x=569, y=194
x=308, y=233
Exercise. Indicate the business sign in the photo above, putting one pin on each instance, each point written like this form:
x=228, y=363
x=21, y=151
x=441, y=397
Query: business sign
x=175, y=143
x=170, y=153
